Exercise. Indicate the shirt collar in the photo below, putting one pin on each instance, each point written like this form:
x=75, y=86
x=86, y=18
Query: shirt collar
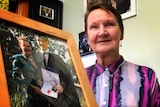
x=24, y=56
x=112, y=67
x=47, y=51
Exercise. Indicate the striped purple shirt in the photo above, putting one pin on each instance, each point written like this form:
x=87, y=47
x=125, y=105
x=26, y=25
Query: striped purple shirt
x=124, y=84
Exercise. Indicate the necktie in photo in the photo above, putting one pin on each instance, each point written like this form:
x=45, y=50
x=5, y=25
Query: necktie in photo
x=44, y=60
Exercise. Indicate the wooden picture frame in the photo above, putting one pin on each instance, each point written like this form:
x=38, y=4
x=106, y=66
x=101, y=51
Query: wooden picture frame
x=13, y=25
x=55, y=7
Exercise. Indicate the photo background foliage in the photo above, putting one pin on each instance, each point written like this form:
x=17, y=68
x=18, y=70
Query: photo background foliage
x=9, y=45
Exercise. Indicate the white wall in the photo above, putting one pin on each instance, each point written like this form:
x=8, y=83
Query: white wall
x=73, y=17
x=141, y=42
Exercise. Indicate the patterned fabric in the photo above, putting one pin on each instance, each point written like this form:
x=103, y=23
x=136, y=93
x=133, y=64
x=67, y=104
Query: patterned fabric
x=124, y=84
x=23, y=70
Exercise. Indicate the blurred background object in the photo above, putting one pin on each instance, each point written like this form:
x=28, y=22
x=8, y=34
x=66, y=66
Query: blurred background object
x=4, y=4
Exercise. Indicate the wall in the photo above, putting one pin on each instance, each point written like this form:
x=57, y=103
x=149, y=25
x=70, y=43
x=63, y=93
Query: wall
x=73, y=17
x=141, y=42
x=142, y=37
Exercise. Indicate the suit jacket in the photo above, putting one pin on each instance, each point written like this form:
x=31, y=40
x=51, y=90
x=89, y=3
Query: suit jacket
x=69, y=97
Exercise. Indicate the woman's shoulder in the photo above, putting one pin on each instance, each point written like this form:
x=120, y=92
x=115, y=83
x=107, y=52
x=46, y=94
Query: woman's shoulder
x=140, y=66
x=143, y=70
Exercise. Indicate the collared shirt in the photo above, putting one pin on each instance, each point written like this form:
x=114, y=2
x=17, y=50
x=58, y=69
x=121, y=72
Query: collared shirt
x=45, y=54
x=124, y=84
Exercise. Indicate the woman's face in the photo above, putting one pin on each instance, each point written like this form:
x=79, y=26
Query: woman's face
x=103, y=32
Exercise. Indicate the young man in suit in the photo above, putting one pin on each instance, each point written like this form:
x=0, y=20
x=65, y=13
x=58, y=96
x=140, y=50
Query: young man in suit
x=67, y=95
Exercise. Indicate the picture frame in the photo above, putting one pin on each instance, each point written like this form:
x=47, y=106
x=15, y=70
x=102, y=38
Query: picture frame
x=127, y=8
x=54, y=7
x=132, y=10
x=84, y=48
x=88, y=57
x=11, y=28
x=46, y=12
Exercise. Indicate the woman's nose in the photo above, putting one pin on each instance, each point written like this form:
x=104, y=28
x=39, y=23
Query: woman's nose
x=102, y=31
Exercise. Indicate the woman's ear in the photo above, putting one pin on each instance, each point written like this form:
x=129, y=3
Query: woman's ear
x=121, y=38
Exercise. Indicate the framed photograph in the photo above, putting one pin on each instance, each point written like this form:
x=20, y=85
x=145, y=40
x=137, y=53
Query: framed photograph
x=28, y=78
x=130, y=10
x=84, y=48
x=87, y=55
x=49, y=12
x=46, y=12
x=127, y=8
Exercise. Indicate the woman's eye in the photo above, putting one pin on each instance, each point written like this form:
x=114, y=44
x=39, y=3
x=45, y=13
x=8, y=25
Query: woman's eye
x=109, y=24
x=94, y=27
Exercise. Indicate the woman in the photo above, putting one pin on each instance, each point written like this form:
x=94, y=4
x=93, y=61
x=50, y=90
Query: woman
x=115, y=81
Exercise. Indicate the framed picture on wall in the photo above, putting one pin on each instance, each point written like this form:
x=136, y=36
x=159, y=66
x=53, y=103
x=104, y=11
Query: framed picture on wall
x=26, y=77
x=47, y=11
x=127, y=8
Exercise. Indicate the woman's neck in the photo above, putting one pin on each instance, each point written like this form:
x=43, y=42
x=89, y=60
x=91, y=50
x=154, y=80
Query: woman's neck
x=107, y=60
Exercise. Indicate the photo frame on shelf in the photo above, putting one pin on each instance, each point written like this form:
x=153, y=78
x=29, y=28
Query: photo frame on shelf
x=88, y=57
x=47, y=11
x=61, y=44
x=84, y=48
x=127, y=8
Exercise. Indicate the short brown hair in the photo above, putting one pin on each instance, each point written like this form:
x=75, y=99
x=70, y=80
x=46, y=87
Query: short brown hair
x=99, y=5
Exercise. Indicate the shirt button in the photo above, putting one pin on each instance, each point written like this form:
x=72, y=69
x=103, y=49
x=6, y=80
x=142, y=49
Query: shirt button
x=106, y=69
x=104, y=103
x=105, y=85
